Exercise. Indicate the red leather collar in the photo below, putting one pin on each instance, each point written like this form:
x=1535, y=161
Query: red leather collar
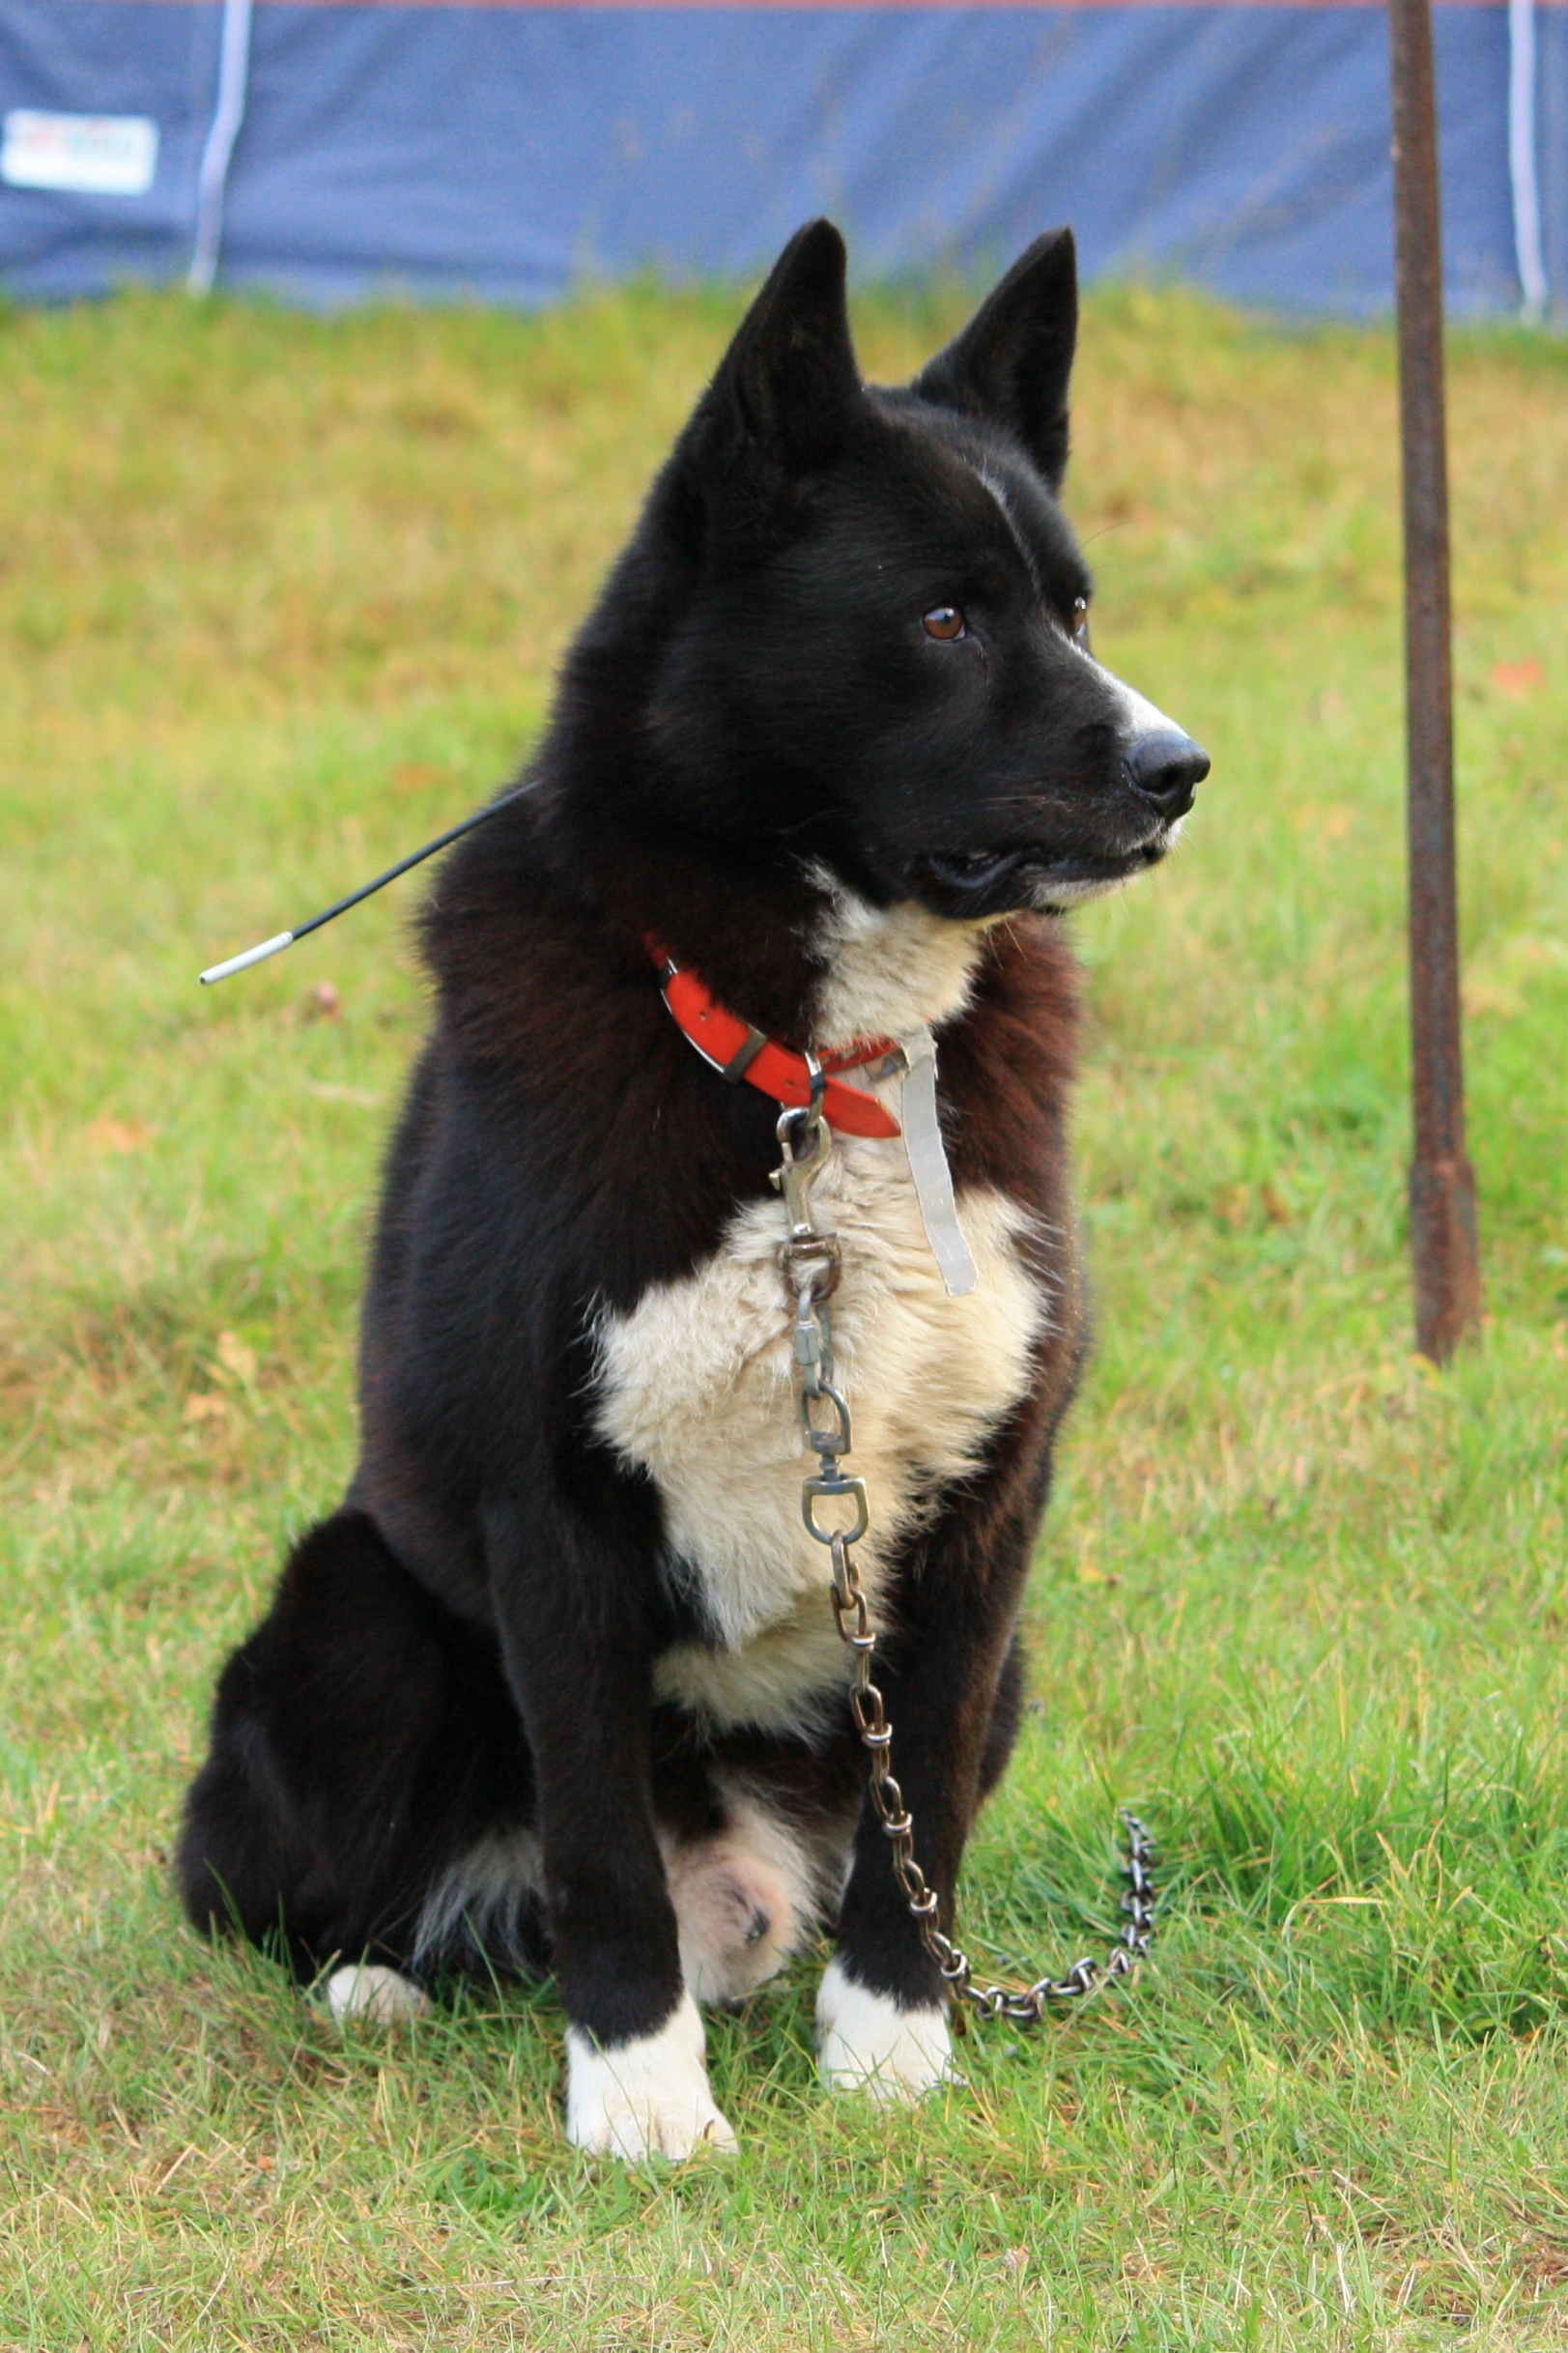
x=736, y=1051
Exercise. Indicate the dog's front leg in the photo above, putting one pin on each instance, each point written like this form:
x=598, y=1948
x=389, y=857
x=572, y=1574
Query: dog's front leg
x=577, y=1655
x=882, y=2009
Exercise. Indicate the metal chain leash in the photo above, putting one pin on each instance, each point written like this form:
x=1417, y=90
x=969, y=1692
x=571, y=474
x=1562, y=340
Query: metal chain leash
x=811, y=1263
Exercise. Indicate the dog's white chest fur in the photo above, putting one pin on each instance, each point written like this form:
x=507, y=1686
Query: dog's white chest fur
x=697, y=1383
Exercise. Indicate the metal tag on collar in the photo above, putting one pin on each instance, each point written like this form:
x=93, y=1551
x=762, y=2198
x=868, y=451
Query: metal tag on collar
x=928, y=1163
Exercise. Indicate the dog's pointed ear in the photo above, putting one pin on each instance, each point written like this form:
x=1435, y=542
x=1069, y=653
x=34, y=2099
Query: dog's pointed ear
x=1012, y=362
x=788, y=383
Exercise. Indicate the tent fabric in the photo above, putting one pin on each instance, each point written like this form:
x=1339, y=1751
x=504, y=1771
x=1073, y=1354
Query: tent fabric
x=508, y=152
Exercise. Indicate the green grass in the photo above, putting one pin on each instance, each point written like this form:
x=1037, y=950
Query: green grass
x=279, y=596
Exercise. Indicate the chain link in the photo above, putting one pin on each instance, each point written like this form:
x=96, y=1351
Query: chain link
x=809, y=1259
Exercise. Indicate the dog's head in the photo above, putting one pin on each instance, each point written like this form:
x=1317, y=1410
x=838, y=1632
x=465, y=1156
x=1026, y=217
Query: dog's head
x=873, y=644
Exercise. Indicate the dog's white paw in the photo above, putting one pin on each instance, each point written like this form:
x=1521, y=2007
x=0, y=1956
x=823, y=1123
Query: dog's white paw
x=380, y=1995
x=869, y=2045
x=645, y=2098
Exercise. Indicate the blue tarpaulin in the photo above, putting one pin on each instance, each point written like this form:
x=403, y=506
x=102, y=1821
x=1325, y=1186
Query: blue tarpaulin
x=508, y=152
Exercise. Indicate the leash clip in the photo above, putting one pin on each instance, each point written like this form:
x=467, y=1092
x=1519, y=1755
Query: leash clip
x=794, y=1177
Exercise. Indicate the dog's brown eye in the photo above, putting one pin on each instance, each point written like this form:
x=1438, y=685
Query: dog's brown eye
x=1080, y=623
x=944, y=622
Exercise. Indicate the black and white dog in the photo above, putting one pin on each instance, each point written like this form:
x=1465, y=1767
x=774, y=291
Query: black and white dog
x=559, y=1686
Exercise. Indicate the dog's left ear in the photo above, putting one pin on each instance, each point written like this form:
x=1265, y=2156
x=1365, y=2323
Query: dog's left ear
x=1012, y=362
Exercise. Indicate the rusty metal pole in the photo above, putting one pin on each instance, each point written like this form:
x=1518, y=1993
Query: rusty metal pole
x=1442, y=1188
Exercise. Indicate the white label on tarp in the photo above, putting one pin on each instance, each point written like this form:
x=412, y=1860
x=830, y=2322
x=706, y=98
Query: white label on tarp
x=92, y=154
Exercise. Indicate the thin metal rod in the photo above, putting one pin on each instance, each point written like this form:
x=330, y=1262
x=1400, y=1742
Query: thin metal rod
x=339, y=906
x=1442, y=1188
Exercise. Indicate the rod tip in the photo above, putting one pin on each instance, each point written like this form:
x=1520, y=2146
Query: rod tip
x=251, y=956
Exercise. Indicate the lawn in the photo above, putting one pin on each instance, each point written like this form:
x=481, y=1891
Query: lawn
x=279, y=597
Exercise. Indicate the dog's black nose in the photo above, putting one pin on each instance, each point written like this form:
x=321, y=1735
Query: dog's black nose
x=1167, y=768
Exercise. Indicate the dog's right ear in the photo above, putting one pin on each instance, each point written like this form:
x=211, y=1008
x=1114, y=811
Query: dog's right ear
x=1012, y=362
x=788, y=383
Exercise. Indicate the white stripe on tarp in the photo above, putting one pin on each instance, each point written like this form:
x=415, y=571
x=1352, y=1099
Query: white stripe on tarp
x=233, y=76
x=1524, y=171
